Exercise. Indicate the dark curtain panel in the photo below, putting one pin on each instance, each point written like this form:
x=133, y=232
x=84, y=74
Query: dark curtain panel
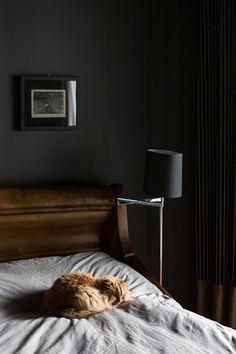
x=216, y=177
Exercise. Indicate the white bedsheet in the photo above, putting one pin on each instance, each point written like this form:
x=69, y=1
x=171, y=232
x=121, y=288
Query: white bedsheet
x=152, y=323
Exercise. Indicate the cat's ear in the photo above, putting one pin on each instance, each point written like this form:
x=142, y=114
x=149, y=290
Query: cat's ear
x=104, y=283
x=107, y=284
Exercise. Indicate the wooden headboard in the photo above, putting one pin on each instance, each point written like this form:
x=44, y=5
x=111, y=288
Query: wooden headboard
x=59, y=220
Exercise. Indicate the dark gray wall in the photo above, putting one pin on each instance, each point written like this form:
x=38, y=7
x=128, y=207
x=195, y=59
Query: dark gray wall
x=171, y=125
x=95, y=40
x=136, y=91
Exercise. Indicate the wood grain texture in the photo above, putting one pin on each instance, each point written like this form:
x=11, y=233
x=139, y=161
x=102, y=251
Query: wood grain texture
x=47, y=199
x=60, y=220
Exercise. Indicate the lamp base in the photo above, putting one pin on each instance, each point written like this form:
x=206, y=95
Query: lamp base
x=154, y=202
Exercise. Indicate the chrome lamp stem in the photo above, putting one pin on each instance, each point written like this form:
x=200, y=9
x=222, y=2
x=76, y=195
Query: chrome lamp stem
x=154, y=202
x=161, y=242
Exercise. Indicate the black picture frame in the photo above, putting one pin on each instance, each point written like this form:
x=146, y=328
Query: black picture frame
x=49, y=102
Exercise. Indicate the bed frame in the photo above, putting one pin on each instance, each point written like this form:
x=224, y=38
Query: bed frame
x=41, y=221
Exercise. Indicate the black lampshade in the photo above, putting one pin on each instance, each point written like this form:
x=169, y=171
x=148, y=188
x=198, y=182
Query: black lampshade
x=163, y=173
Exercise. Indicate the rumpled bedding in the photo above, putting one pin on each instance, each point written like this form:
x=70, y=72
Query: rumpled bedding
x=151, y=323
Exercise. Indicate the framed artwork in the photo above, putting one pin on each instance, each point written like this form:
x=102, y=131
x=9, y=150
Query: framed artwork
x=49, y=102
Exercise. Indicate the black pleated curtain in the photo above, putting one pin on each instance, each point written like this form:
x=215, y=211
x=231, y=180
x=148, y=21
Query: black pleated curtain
x=216, y=175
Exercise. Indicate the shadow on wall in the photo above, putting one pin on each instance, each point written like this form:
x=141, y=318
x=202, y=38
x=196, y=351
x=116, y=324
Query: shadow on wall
x=57, y=165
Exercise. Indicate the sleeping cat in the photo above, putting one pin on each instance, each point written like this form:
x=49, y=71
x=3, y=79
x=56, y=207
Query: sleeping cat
x=80, y=295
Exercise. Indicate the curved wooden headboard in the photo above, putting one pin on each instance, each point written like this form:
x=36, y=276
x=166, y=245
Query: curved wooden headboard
x=59, y=220
x=44, y=221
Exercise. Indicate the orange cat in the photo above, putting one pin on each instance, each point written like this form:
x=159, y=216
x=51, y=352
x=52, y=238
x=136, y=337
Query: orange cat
x=80, y=295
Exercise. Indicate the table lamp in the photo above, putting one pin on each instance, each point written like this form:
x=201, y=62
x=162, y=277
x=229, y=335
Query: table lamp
x=162, y=179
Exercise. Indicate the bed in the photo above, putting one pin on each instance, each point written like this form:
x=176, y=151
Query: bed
x=49, y=230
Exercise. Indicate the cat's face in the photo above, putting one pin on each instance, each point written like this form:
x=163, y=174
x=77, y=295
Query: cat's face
x=116, y=290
